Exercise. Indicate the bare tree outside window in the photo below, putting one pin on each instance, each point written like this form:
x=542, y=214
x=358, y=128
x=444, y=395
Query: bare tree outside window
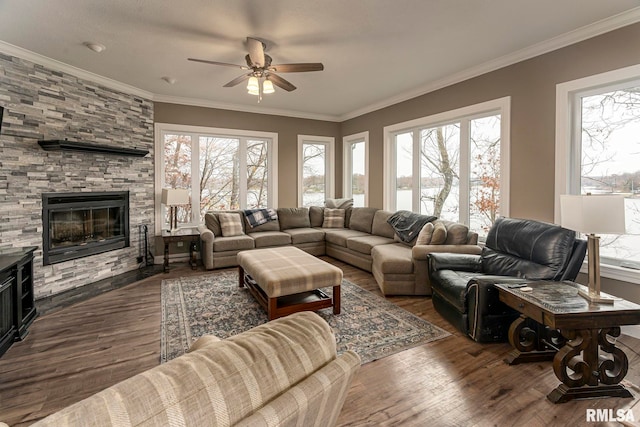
x=485, y=172
x=219, y=174
x=177, y=170
x=610, y=162
x=439, y=177
x=257, y=174
x=313, y=174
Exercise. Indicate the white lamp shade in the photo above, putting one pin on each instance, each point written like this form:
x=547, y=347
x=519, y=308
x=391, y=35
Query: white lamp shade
x=175, y=196
x=267, y=87
x=253, y=86
x=593, y=214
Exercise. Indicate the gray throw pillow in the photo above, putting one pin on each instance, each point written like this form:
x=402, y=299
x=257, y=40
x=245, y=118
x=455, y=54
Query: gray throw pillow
x=439, y=235
x=231, y=224
x=457, y=234
x=333, y=218
x=338, y=203
x=424, y=237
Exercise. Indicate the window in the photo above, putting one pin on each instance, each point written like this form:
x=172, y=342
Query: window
x=356, y=168
x=315, y=169
x=452, y=165
x=223, y=168
x=598, y=151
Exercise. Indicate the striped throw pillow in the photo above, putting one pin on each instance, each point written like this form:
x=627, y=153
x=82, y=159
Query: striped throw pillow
x=333, y=218
x=231, y=224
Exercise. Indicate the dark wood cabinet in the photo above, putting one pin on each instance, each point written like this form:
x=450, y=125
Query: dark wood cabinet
x=17, y=303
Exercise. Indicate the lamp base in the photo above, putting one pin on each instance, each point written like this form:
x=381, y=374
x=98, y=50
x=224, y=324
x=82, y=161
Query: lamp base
x=596, y=298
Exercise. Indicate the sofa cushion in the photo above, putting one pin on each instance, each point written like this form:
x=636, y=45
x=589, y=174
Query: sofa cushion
x=339, y=236
x=439, y=235
x=212, y=221
x=231, y=224
x=333, y=218
x=424, y=237
x=380, y=226
x=362, y=219
x=305, y=235
x=457, y=234
x=364, y=244
x=293, y=218
x=265, y=239
x=339, y=203
x=268, y=226
x=236, y=243
x=393, y=259
x=316, y=216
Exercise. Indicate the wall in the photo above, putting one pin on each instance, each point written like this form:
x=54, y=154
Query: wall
x=41, y=103
x=287, y=128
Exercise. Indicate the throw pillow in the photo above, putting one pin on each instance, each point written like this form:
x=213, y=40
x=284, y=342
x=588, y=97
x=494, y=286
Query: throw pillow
x=338, y=203
x=231, y=224
x=439, y=235
x=333, y=218
x=424, y=238
x=457, y=234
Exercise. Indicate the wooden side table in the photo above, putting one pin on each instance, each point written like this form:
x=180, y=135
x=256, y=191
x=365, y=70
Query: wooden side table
x=187, y=234
x=575, y=333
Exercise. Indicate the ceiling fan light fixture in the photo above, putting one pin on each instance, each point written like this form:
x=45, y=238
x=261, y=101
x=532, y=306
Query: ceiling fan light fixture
x=267, y=86
x=253, y=86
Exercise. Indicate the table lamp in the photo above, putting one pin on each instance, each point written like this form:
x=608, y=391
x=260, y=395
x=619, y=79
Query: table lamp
x=174, y=197
x=593, y=214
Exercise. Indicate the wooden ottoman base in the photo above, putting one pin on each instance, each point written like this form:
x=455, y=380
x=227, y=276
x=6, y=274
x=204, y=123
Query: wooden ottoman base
x=287, y=304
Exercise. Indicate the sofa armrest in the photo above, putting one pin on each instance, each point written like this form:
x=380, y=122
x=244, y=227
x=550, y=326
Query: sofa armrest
x=421, y=252
x=454, y=261
x=206, y=238
x=323, y=393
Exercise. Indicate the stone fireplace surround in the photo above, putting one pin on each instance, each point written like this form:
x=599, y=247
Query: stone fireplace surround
x=42, y=103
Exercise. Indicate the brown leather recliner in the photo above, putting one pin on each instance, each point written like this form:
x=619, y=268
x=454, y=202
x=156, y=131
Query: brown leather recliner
x=516, y=250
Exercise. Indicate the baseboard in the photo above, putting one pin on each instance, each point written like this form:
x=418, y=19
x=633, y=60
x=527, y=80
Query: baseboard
x=631, y=330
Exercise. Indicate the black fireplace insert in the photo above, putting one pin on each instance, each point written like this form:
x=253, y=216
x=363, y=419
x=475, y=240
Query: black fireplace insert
x=77, y=225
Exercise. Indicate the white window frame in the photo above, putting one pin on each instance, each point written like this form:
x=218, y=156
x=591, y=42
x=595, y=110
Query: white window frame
x=347, y=163
x=500, y=106
x=567, y=124
x=329, y=161
x=195, y=132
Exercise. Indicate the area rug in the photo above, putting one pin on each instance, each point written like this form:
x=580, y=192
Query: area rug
x=214, y=304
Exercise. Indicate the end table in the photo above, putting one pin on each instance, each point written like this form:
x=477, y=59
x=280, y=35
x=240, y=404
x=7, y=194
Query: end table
x=187, y=234
x=585, y=359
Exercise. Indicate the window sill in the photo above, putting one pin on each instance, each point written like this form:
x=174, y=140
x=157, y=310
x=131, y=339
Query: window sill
x=615, y=272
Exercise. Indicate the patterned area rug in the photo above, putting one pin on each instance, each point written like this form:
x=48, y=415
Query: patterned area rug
x=368, y=324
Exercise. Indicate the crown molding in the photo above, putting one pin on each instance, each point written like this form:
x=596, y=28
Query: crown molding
x=592, y=30
x=196, y=102
x=53, y=64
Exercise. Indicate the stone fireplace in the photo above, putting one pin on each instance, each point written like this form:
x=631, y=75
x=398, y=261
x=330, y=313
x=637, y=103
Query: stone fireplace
x=76, y=225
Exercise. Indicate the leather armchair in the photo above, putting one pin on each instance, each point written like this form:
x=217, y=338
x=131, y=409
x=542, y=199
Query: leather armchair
x=516, y=250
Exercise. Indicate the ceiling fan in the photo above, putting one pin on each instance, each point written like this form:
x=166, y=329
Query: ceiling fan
x=260, y=68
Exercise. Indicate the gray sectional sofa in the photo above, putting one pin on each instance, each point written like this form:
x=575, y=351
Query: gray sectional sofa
x=367, y=241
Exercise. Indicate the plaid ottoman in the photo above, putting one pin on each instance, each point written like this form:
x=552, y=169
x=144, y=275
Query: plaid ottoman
x=287, y=279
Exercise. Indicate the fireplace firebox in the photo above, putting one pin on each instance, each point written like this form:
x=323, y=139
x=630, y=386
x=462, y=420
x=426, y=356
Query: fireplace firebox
x=77, y=225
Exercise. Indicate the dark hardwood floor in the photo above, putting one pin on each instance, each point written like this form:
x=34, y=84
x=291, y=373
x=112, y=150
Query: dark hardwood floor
x=79, y=350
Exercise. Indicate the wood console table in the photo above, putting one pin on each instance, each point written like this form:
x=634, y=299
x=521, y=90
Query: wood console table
x=574, y=333
x=189, y=234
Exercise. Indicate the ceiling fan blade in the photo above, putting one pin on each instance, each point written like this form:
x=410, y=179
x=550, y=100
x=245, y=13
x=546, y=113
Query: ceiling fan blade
x=218, y=63
x=256, y=51
x=280, y=82
x=297, y=68
x=238, y=80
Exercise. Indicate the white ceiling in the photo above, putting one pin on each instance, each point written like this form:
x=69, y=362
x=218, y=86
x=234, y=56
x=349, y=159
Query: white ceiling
x=375, y=52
